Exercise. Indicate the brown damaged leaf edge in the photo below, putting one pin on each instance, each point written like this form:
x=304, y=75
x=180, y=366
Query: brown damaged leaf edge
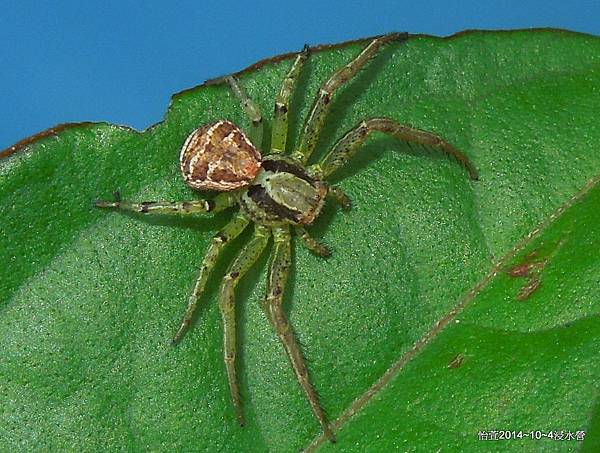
x=55, y=130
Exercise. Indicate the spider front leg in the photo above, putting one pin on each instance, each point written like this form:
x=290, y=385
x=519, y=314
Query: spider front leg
x=244, y=261
x=340, y=197
x=316, y=118
x=252, y=110
x=280, y=116
x=278, y=274
x=219, y=203
x=312, y=244
x=229, y=232
x=350, y=143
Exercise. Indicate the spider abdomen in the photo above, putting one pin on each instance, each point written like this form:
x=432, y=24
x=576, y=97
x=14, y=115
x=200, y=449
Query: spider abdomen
x=219, y=156
x=283, y=193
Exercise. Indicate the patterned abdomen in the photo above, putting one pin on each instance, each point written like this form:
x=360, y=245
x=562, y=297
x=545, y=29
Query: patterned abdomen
x=219, y=156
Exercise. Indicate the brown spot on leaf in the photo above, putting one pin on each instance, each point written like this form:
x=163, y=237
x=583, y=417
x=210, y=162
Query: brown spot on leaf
x=529, y=288
x=531, y=267
x=457, y=361
x=520, y=270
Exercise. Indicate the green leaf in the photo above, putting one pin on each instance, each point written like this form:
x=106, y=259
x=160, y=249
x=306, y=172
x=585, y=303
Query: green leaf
x=89, y=300
x=520, y=360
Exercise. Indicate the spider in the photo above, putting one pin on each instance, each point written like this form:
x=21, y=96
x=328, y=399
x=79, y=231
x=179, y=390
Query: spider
x=279, y=193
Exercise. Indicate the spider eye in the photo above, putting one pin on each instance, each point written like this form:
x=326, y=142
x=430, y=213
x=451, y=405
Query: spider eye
x=219, y=156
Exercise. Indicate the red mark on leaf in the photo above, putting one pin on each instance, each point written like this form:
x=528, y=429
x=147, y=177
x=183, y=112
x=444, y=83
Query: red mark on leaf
x=530, y=269
x=457, y=361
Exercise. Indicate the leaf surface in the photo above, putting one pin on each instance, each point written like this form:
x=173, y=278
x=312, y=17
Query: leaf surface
x=89, y=300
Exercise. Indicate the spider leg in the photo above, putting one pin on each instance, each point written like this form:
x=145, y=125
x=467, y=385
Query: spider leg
x=340, y=197
x=219, y=203
x=278, y=274
x=229, y=232
x=316, y=118
x=252, y=110
x=246, y=258
x=349, y=144
x=312, y=244
x=280, y=117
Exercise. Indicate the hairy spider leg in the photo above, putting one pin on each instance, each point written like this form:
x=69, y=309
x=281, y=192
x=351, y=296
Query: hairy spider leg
x=280, y=116
x=340, y=197
x=278, y=273
x=252, y=111
x=219, y=203
x=312, y=244
x=316, y=118
x=229, y=232
x=244, y=261
x=349, y=144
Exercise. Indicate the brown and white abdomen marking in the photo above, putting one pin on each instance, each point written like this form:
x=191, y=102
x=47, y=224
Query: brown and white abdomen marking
x=219, y=156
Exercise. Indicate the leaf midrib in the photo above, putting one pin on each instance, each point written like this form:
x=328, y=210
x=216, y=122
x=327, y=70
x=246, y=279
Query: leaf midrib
x=405, y=357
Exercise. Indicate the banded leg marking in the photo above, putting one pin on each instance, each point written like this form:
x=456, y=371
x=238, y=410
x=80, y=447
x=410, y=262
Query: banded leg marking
x=252, y=111
x=244, y=261
x=229, y=232
x=340, y=197
x=349, y=144
x=318, y=114
x=312, y=244
x=278, y=274
x=280, y=116
x=219, y=203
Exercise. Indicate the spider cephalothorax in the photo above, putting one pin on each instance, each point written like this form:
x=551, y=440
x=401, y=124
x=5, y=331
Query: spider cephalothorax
x=279, y=193
x=283, y=193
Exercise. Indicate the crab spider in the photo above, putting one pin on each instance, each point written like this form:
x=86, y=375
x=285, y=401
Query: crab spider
x=279, y=193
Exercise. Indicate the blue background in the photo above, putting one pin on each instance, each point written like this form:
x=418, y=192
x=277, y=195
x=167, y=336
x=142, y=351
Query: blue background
x=120, y=61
